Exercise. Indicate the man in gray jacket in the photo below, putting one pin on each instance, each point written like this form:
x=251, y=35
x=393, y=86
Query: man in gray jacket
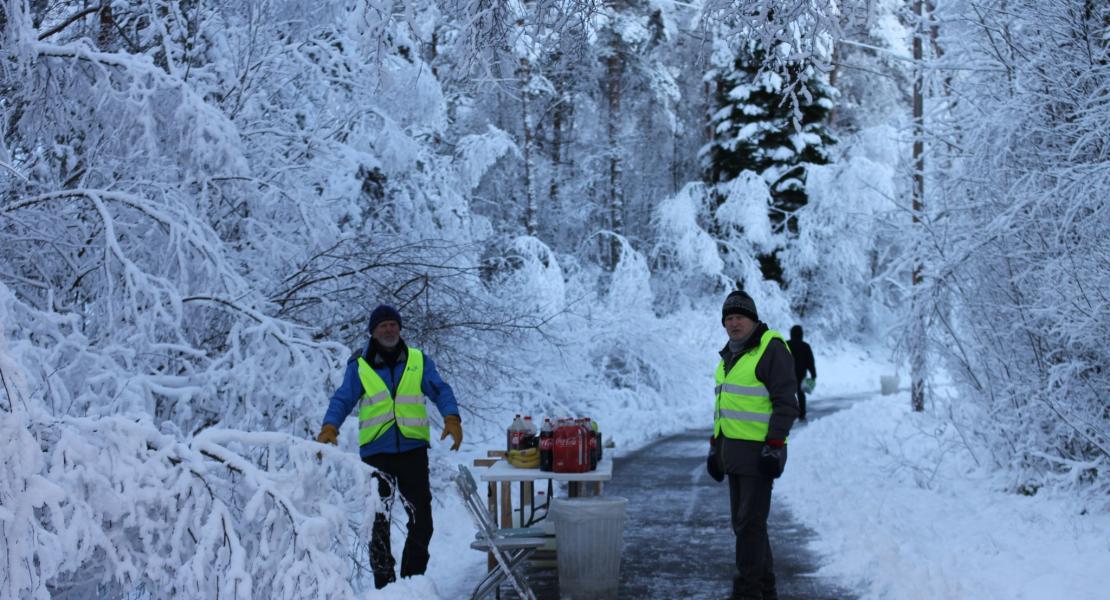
x=754, y=410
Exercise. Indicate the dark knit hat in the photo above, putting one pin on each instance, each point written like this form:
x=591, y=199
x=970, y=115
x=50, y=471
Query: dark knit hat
x=384, y=312
x=739, y=303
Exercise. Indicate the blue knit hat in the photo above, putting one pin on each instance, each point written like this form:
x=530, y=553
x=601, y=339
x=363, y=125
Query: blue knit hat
x=384, y=312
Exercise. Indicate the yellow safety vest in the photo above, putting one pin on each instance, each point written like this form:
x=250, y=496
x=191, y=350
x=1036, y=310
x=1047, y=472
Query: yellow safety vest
x=743, y=408
x=378, y=409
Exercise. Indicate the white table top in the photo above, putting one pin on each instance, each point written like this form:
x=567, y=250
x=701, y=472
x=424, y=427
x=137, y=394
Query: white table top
x=503, y=471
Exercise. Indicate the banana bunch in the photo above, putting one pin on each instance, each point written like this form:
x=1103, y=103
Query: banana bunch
x=524, y=459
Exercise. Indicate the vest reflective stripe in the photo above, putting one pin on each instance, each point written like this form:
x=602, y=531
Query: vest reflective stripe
x=378, y=410
x=743, y=390
x=379, y=397
x=743, y=406
x=759, y=417
x=378, y=420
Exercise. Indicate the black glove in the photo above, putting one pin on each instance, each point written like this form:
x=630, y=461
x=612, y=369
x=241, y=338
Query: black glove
x=713, y=463
x=771, y=461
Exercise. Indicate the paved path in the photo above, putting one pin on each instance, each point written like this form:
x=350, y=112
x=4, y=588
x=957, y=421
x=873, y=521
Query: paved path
x=677, y=540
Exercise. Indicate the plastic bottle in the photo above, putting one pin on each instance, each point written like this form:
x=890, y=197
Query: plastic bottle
x=587, y=450
x=547, y=445
x=594, y=442
x=597, y=433
x=513, y=437
x=528, y=437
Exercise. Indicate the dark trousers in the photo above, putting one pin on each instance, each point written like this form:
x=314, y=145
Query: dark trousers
x=751, y=503
x=801, y=400
x=405, y=473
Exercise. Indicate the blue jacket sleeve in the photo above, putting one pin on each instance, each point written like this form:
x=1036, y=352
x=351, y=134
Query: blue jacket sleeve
x=437, y=390
x=344, y=398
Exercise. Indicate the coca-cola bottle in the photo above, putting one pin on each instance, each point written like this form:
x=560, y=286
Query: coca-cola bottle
x=547, y=445
x=584, y=441
x=513, y=437
x=528, y=437
x=597, y=434
x=584, y=425
x=593, y=442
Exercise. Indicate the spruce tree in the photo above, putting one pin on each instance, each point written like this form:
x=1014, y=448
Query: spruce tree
x=759, y=126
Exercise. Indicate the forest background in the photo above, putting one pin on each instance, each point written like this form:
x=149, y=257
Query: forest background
x=201, y=201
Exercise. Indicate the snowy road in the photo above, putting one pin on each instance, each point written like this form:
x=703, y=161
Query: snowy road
x=678, y=543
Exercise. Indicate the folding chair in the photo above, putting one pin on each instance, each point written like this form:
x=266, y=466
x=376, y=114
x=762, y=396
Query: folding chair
x=509, y=547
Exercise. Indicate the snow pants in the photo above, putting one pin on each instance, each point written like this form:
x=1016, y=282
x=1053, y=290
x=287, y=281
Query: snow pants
x=405, y=473
x=750, y=499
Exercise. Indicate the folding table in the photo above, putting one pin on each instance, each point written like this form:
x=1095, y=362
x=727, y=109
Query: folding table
x=581, y=484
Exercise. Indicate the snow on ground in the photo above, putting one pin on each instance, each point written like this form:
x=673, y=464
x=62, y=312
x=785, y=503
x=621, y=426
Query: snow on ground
x=902, y=512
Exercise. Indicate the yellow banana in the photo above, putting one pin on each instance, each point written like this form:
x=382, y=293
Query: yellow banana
x=524, y=459
x=527, y=452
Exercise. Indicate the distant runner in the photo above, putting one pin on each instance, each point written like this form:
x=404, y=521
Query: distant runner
x=803, y=361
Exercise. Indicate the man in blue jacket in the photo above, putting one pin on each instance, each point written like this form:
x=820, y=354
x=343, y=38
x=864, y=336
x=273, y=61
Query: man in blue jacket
x=389, y=382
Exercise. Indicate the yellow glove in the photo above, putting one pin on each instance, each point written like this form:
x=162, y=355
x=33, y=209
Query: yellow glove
x=452, y=426
x=328, y=435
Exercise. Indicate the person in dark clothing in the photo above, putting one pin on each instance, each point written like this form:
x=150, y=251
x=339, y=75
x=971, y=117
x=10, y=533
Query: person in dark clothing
x=754, y=411
x=389, y=382
x=803, y=361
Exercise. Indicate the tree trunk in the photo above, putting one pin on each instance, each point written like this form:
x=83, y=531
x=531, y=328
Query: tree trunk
x=917, y=336
x=613, y=71
x=833, y=76
x=530, y=208
x=105, y=37
x=557, y=117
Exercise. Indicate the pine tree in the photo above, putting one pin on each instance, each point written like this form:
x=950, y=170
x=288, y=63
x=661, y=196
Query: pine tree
x=771, y=125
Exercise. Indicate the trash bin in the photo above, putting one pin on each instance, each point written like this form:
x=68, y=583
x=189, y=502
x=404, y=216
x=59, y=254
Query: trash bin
x=589, y=533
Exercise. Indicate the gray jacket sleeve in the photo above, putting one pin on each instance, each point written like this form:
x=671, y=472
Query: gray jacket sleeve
x=776, y=371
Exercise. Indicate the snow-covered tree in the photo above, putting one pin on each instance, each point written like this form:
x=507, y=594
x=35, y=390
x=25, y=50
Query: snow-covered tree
x=772, y=125
x=1015, y=234
x=195, y=219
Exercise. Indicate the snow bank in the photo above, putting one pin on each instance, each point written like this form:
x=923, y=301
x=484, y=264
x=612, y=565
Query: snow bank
x=902, y=510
